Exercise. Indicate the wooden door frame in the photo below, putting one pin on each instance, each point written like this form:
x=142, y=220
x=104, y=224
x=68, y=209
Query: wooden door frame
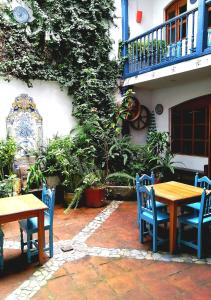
x=209, y=143
x=176, y=4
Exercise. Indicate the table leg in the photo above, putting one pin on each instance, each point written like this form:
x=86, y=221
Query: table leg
x=41, y=237
x=173, y=227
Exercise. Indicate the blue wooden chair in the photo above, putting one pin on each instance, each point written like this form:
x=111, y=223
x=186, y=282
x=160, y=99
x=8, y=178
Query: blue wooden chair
x=1, y=249
x=197, y=221
x=141, y=181
x=44, y=191
x=150, y=215
x=203, y=182
x=30, y=226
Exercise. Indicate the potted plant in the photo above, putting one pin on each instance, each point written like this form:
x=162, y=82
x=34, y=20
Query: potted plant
x=157, y=156
x=94, y=187
x=7, y=186
x=36, y=176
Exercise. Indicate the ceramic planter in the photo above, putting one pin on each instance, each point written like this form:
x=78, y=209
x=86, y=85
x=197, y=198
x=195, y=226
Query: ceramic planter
x=95, y=197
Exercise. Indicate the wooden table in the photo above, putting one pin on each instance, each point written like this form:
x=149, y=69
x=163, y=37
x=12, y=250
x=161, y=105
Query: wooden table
x=175, y=194
x=23, y=207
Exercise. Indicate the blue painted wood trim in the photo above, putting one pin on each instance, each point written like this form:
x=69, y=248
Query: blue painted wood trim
x=171, y=21
x=125, y=34
x=166, y=64
x=202, y=27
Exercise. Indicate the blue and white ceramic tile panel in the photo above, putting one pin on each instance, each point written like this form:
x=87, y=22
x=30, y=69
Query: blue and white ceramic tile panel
x=24, y=124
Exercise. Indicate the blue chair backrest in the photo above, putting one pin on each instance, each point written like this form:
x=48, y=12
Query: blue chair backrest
x=145, y=179
x=203, y=182
x=205, y=208
x=44, y=191
x=1, y=237
x=147, y=197
x=49, y=199
x=141, y=181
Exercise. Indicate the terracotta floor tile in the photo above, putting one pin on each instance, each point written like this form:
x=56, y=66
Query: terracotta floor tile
x=101, y=291
x=137, y=293
x=125, y=232
x=110, y=269
x=44, y=294
x=104, y=278
x=123, y=284
x=162, y=290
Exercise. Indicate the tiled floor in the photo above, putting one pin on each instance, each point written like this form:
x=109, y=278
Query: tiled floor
x=107, y=279
x=109, y=262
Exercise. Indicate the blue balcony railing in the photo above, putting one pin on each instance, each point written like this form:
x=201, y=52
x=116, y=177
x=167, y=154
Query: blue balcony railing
x=176, y=40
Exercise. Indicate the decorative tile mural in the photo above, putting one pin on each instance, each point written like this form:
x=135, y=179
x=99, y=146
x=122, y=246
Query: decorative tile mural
x=24, y=124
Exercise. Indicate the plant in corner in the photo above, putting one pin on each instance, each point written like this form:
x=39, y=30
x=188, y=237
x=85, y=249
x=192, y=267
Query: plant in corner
x=157, y=155
x=98, y=164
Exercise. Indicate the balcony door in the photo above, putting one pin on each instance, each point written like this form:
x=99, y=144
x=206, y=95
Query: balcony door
x=175, y=9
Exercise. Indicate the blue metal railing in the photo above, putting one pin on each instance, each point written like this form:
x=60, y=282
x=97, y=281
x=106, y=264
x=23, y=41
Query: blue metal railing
x=171, y=42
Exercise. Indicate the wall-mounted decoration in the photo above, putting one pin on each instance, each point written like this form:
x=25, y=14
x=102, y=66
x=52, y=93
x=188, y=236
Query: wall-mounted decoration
x=159, y=109
x=143, y=120
x=139, y=14
x=20, y=14
x=139, y=114
x=24, y=124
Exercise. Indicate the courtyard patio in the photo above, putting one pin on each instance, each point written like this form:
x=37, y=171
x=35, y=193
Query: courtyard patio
x=103, y=258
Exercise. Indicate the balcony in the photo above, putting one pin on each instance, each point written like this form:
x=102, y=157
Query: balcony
x=182, y=38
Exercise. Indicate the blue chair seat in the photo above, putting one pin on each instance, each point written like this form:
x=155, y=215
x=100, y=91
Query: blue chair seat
x=192, y=219
x=195, y=205
x=203, y=182
x=161, y=217
x=198, y=221
x=32, y=224
x=159, y=204
x=150, y=215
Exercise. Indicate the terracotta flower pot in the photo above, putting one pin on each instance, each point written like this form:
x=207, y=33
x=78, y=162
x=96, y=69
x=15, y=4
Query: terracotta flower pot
x=95, y=197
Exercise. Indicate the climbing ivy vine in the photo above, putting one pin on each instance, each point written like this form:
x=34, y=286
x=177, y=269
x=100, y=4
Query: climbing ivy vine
x=67, y=41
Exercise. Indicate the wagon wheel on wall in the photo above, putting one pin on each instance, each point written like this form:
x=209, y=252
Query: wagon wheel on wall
x=143, y=119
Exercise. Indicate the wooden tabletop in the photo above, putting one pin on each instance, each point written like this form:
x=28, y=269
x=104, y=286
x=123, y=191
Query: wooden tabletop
x=175, y=191
x=18, y=204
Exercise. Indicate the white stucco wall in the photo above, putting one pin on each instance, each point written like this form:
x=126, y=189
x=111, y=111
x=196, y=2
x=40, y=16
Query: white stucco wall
x=153, y=14
x=116, y=29
x=147, y=19
x=54, y=105
x=170, y=97
x=145, y=98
